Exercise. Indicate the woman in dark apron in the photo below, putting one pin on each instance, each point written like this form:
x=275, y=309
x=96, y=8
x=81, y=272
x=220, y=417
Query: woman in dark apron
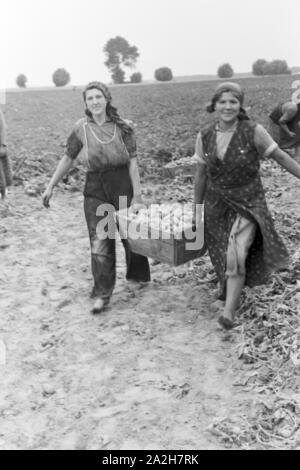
x=239, y=232
x=112, y=179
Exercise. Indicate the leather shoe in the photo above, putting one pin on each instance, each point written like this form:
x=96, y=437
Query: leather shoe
x=98, y=306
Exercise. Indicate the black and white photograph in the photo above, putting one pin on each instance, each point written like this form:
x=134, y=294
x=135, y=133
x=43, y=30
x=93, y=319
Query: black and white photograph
x=149, y=227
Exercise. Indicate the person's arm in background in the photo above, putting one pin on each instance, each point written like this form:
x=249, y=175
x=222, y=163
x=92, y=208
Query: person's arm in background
x=3, y=150
x=289, y=110
x=5, y=169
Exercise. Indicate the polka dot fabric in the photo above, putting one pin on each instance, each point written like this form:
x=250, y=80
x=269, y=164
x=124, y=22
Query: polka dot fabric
x=234, y=188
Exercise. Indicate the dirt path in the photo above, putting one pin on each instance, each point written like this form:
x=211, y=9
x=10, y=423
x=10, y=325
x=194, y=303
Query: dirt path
x=153, y=372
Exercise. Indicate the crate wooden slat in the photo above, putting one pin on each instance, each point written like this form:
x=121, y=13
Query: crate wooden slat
x=161, y=246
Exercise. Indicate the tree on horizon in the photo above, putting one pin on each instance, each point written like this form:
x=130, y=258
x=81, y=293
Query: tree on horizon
x=258, y=67
x=21, y=80
x=119, y=54
x=163, y=74
x=225, y=71
x=61, y=77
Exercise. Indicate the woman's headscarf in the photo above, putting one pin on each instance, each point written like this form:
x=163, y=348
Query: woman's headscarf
x=111, y=110
x=99, y=86
x=233, y=88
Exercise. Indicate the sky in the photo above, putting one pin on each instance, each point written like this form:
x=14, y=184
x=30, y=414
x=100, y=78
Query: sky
x=190, y=36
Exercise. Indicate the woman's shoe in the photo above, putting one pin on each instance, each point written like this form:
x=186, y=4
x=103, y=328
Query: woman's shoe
x=226, y=322
x=98, y=307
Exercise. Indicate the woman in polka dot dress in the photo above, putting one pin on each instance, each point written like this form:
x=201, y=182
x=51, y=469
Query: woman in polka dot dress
x=239, y=232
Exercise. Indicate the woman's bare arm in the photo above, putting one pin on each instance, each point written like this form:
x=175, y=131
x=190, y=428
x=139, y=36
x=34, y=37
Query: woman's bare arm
x=62, y=169
x=200, y=184
x=135, y=181
x=286, y=162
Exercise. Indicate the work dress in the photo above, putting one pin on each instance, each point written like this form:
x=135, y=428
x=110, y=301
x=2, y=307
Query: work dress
x=5, y=167
x=107, y=156
x=235, y=209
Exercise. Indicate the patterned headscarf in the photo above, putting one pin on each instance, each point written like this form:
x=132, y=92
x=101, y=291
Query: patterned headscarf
x=233, y=88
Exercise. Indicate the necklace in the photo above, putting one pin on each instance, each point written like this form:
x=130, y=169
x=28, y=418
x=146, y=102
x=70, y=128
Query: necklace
x=101, y=141
x=232, y=128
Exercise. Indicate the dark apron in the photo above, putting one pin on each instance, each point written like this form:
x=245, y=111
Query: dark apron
x=105, y=187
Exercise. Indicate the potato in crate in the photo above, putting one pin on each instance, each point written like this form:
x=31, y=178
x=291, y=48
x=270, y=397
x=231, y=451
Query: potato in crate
x=183, y=166
x=164, y=232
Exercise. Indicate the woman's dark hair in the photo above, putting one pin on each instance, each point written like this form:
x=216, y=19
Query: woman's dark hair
x=111, y=111
x=113, y=114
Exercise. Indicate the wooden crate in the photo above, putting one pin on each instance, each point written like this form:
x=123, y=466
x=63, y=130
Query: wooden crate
x=160, y=245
